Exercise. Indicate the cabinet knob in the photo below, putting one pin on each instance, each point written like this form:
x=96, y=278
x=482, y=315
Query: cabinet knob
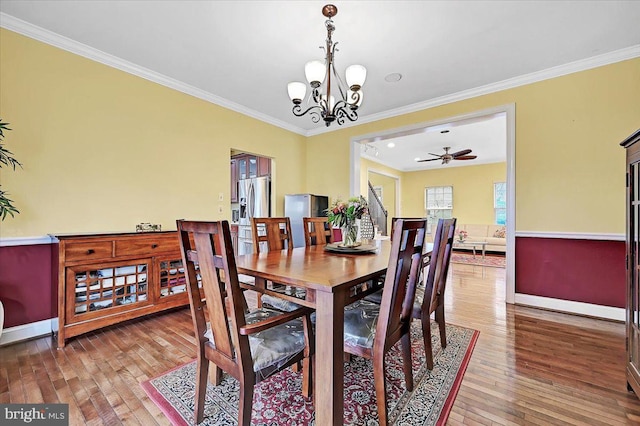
x=154, y=246
x=91, y=251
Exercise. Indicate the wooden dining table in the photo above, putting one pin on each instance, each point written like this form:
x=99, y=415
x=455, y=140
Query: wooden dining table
x=331, y=282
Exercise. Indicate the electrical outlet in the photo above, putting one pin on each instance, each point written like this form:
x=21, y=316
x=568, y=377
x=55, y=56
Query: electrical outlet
x=219, y=208
x=221, y=196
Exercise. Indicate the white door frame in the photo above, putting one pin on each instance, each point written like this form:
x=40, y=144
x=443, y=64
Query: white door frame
x=510, y=111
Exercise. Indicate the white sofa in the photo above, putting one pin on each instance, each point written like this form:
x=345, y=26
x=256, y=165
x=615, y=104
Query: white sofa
x=493, y=235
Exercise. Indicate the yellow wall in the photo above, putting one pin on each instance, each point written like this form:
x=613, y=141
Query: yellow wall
x=472, y=191
x=104, y=150
x=569, y=165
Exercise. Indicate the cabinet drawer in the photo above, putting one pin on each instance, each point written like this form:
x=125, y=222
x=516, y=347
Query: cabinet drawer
x=147, y=246
x=88, y=251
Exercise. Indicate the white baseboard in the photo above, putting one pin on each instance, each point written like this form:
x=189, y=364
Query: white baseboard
x=581, y=308
x=27, y=331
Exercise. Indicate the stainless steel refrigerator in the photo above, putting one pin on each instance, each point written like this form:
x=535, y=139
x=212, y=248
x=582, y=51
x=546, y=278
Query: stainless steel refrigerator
x=297, y=206
x=254, y=196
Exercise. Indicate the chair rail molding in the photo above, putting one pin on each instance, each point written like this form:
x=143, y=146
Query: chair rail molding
x=26, y=241
x=572, y=235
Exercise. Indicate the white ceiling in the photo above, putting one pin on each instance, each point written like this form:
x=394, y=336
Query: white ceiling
x=242, y=54
x=486, y=136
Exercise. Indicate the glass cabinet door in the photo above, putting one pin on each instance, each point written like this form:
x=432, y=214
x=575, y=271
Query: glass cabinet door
x=101, y=288
x=633, y=320
x=242, y=168
x=253, y=167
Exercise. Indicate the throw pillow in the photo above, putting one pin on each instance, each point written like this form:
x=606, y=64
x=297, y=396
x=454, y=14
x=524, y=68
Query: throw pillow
x=500, y=232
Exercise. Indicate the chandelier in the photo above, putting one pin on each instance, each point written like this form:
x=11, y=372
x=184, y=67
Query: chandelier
x=322, y=100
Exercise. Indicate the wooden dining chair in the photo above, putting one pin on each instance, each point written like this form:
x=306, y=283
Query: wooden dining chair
x=430, y=295
x=249, y=346
x=274, y=233
x=394, y=219
x=317, y=231
x=371, y=329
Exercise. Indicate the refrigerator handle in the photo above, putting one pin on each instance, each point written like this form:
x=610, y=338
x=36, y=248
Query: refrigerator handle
x=251, y=201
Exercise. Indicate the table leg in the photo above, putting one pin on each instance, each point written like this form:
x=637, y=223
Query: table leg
x=473, y=248
x=260, y=284
x=484, y=247
x=329, y=377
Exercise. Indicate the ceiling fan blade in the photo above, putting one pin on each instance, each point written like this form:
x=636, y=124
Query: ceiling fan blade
x=429, y=159
x=461, y=153
x=466, y=157
x=437, y=155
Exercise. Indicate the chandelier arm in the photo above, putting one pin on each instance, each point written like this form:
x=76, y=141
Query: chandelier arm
x=355, y=97
x=315, y=115
x=344, y=112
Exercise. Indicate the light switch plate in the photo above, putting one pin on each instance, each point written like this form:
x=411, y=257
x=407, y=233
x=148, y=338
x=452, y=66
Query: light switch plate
x=219, y=209
x=221, y=196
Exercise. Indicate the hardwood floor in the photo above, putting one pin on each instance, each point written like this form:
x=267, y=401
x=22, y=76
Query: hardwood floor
x=529, y=366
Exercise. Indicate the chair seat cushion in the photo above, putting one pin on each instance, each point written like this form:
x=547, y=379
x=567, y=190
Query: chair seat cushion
x=275, y=346
x=274, y=302
x=246, y=279
x=360, y=320
x=374, y=297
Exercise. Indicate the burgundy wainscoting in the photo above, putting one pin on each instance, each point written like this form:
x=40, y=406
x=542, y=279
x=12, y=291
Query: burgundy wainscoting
x=589, y=271
x=28, y=283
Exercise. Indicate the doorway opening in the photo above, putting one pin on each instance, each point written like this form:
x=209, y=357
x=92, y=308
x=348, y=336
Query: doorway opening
x=400, y=141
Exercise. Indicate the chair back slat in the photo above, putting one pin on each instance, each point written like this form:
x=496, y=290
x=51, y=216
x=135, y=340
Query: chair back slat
x=395, y=219
x=275, y=231
x=207, y=252
x=317, y=231
x=401, y=279
x=436, y=278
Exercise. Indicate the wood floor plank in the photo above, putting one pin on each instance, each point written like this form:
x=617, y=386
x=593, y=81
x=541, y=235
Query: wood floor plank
x=529, y=366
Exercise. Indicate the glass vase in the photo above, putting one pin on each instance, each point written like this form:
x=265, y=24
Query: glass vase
x=350, y=234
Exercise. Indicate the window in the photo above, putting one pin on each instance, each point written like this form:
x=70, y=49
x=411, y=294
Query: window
x=439, y=204
x=500, y=202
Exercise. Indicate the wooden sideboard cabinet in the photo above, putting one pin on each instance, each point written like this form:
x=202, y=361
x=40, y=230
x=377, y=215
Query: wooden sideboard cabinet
x=632, y=145
x=105, y=279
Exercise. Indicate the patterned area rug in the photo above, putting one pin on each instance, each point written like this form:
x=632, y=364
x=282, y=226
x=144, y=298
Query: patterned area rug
x=496, y=261
x=278, y=400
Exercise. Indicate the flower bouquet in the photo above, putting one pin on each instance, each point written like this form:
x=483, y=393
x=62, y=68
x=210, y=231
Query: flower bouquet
x=344, y=214
x=462, y=235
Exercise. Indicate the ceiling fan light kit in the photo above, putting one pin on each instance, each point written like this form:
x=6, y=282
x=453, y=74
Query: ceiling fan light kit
x=447, y=157
x=323, y=104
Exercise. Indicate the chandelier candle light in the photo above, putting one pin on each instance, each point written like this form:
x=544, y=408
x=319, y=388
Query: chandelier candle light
x=319, y=75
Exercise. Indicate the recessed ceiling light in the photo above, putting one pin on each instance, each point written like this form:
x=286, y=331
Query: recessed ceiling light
x=393, y=77
x=391, y=144
x=416, y=159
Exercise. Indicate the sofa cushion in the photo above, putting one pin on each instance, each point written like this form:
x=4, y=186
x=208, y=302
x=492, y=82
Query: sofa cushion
x=496, y=241
x=475, y=231
x=498, y=231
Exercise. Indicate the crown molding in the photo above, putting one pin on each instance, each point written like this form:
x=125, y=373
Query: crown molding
x=38, y=33
x=557, y=71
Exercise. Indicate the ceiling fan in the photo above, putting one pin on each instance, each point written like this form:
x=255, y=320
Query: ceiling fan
x=446, y=157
